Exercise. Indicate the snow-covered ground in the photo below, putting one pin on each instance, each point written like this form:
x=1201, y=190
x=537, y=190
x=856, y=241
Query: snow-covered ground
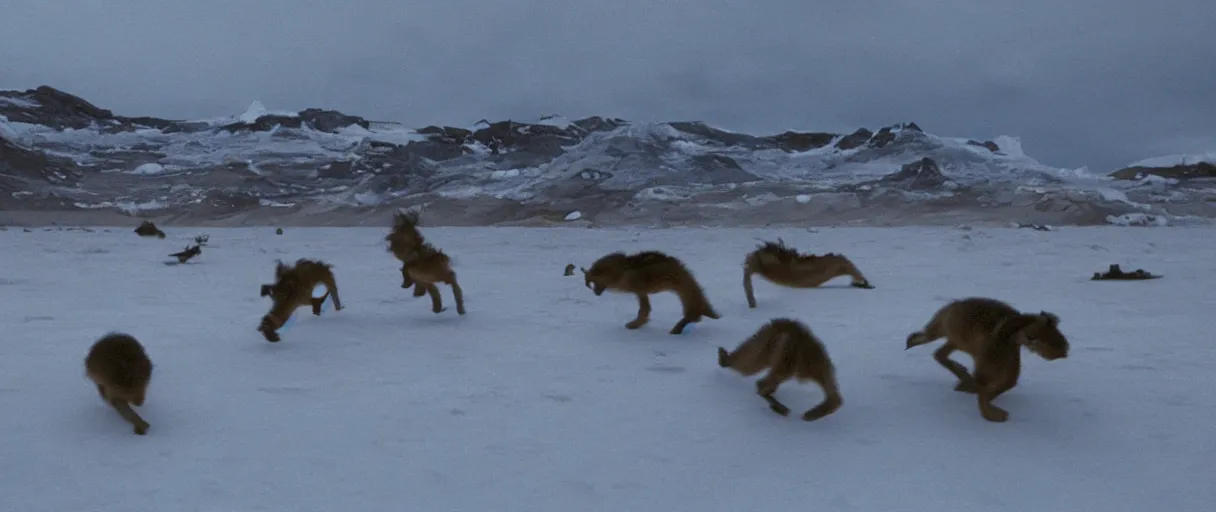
x=539, y=399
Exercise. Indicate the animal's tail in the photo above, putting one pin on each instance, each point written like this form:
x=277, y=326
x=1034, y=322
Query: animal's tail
x=932, y=331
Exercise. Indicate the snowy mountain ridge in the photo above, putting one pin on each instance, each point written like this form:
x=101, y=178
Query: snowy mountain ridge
x=59, y=153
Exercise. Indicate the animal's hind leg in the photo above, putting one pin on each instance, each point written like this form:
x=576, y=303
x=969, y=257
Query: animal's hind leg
x=747, y=288
x=831, y=400
x=643, y=312
x=457, y=294
x=436, y=300
x=966, y=383
x=766, y=386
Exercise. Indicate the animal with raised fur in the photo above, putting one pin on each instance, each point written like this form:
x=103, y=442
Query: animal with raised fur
x=422, y=264
x=293, y=289
x=992, y=333
x=647, y=273
x=788, y=350
x=783, y=265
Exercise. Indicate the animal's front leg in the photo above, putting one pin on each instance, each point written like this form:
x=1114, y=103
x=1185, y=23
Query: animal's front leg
x=268, y=327
x=984, y=395
x=124, y=409
x=643, y=312
x=1006, y=383
x=747, y=288
x=406, y=280
x=765, y=387
x=317, y=302
x=436, y=300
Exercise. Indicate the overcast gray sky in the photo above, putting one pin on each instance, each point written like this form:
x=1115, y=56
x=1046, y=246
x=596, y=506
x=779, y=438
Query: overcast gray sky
x=1083, y=82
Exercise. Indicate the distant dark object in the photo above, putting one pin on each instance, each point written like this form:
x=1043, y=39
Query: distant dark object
x=1117, y=274
x=192, y=251
x=1036, y=227
x=278, y=231
x=569, y=270
x=147, y=228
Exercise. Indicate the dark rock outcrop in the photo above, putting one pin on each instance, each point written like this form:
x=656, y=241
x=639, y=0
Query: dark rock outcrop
x=922, y=174
x=989, y=145
x=854, y=140
x=1177, y=172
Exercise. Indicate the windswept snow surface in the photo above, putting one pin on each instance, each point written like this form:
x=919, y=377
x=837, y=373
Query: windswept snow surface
x=539, y=399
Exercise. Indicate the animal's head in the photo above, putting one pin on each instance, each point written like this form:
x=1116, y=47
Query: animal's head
x=1041, y=334
x=604, y=272
x=280, y=270
x=405, y=234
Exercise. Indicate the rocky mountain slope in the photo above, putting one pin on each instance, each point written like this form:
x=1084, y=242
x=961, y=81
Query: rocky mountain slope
x=60, y=154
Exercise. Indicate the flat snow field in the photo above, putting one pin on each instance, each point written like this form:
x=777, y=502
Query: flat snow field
x=539, y=399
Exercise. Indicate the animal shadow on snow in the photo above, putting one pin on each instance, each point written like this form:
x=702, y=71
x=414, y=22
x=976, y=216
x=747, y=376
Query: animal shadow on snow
x=1052, y=409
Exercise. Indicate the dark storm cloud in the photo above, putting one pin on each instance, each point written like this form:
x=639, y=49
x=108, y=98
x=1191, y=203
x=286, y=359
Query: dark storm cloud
x=1086, y=82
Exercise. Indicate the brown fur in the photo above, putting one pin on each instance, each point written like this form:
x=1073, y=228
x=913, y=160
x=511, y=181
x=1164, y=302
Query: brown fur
x=569, y=270
x=647, y=273
x=292, y=290
x=788, y=350
x=120, y=368
x=991, y=332
x=147, y=228
x=422, y=264
x=784, y=266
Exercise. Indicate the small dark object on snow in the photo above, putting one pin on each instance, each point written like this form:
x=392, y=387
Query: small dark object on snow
x=1117, y=274
x=1036, y=227
x=278, y=231
x=146, y=228
x=192, y=251
x=569, y=270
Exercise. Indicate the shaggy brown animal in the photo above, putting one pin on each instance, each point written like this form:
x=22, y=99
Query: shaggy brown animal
x=788, y=350
x=784, y=266
x=422, y=264
x=292, y=290
x=569, y=270
x=647, y=273
x=120, y=368
x=991, y=332
x=146, y=228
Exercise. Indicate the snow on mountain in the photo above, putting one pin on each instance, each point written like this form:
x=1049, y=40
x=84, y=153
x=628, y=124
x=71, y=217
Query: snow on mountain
x=1175, y=160
x=60, y=152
